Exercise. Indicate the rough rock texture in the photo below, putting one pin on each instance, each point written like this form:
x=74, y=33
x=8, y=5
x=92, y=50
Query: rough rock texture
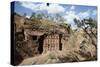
x=75, y=45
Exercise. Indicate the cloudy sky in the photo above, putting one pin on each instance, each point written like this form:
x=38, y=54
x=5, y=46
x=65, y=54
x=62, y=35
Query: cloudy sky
x=67, y=11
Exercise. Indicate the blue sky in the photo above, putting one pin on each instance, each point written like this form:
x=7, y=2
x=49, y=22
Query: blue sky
x=67, y=11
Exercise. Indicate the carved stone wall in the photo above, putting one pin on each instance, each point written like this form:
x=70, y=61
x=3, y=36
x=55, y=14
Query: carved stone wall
x=44, y=43
x=51, y=43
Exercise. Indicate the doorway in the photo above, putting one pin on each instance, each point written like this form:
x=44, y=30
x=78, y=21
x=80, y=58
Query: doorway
x=60, y=44
x=40, y=47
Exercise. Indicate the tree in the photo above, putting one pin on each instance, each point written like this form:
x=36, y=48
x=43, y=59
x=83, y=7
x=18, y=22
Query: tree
x=38, y=16
x=59, y=18
x=88, y=24
x=25, y=15
x=77, y=22
x=33, y=15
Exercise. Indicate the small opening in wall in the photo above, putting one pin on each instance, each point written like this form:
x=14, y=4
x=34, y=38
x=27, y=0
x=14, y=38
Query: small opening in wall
x=34, y=37
x=60, y=46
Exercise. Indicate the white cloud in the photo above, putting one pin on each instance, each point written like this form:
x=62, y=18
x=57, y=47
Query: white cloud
x=85, y=14
x=72, y=7
x=43, y=7
x=28, y=16
x=70, y=15
x=52, y=8
x=55, y=8
x=94, y=12
x=30, y=5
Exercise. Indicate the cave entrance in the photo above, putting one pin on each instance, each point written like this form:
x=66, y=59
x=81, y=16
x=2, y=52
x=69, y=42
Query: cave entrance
x=40, y=47
x=60, y=44
x=39, y=41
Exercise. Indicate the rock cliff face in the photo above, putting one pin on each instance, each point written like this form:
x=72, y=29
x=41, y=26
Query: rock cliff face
x=78, y=47
x=34, y=37
x=51, y=42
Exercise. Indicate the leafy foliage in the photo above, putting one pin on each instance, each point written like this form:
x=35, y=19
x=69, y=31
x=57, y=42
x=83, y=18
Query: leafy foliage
x=86, y=23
